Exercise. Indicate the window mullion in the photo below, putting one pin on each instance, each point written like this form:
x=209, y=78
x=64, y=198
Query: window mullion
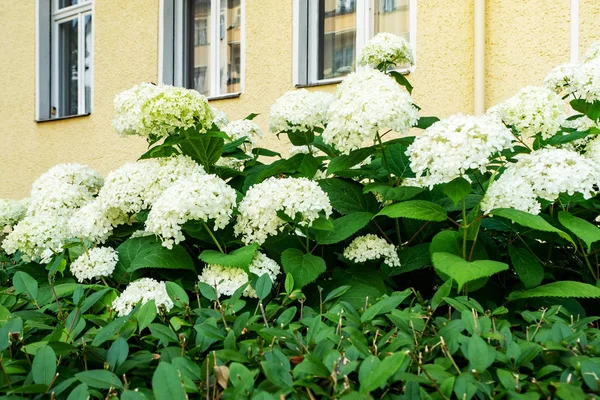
x=363, y=11
x=215, y=13
x=81, y=64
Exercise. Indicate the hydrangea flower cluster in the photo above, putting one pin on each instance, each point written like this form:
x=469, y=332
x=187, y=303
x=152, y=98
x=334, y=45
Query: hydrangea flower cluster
x=38, y=236
x=299, y=111
x=511, y=191
x=366, y=102
x=559, y=79
x=548, y=172
x=466, y=142
x=258, y=210
x=157, y=111
x=386, y=48
x=531, y=111
x=129, y=189
x=94, y=263
x=143, y=290
x=197, y=197
x=586, y=81
x=220, y=119
x=54, y=197
x=229, y=279
x=12, y=211
x=372, y=247
x=592, y=150
x=64, y=188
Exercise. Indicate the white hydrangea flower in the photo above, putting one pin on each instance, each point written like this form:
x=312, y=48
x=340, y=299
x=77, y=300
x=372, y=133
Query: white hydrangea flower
x=197, y=197
x=12, y=211
x=582, y=123
x=366, y=102
x=372, y=247
x=592, y=150
x=452, y=146
x=299, y=111
x=64, y=188
x=559, y=79
x=219, y=117
x=94, y=263
x=586, y=81
x=38, y=236
x=386, y=48
x=592, y=53
x=258, y=210
x=95, y=221
x=238, y=129
x=510, y=191
x=143, y=290
x=533, y=110
x=156, y=112
x=229, y=279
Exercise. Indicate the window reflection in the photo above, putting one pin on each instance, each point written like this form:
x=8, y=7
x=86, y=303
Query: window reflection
x=337, y=38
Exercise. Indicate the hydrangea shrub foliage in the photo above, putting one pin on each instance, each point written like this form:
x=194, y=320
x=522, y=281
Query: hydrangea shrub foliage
x=458, y=262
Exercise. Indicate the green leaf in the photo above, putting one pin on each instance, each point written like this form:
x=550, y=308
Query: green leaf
x=463, y=271
x=402, y=80
x=347, y=196
x=166, y=383
x=24, y=283
x=411, y=259
x=79, y=393
x=416, y=209
x=526, y=265
x=264, y=284
x=363, y=283
x=240, y=258
x=479, y=354
x=148, y=252
x=92, y=299
x=177, y=294
x=443, y=291
x=382, y=372
x=207, y=291
x=43, y=367
x=398, y=161
x=109, y=330
x=337, y=292
x=301, y=138
x=399, y=193
x=100, y=379
x=559, y=289
x=385, y=305
x=348, y=161
x=163, y=333
x=344, y=227
x=584, y=230
x=117, y=354
x=305, y=268
x=426, y=122
x=457, y=189
x=529, y=220
x=206, y=150
x=289, y=283
x=322, y=224
x=132, y=395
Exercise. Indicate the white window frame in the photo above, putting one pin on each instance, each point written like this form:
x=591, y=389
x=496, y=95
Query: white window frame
x=172, y=57
x=305, y=38
x=48, y=18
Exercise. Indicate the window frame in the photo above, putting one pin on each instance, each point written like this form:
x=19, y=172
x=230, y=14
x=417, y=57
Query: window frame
x=48, y=18
x=306, y=32
x=175, y=66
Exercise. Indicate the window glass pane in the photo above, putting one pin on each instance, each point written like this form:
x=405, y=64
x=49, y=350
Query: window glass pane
x=337, y=38
x=68, y=3
x=88, y=62
x=229, y=46
x=67, y=68
x=200, y=58
x=392, y=16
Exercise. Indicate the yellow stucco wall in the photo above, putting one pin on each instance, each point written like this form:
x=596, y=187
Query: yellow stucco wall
x=524, y=40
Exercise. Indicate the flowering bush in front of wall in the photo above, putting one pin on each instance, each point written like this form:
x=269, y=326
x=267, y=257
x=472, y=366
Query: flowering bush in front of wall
x=357, y=267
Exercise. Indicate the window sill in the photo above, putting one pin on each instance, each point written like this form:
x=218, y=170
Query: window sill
x=224, y=96
x=61, y=118
x=335, y=81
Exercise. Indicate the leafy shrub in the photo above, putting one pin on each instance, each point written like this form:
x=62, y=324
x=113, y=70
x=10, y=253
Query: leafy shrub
x=204, y=269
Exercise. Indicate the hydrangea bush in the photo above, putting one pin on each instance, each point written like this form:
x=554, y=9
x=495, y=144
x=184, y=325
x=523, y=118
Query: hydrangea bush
x=357, y=267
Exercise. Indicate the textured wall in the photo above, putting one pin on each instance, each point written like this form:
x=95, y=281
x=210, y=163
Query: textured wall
x=525, y=39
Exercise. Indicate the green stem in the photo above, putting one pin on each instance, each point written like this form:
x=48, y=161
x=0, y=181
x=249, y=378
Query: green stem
x=385, y=160
x=212, y=236
x=464, y=226
x=587, y=260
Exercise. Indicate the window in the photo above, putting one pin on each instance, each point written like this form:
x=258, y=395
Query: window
x=329, y=34
x=202, y=45
x=64, y=58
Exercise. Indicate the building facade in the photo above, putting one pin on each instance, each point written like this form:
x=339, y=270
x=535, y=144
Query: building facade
x=63, y=61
